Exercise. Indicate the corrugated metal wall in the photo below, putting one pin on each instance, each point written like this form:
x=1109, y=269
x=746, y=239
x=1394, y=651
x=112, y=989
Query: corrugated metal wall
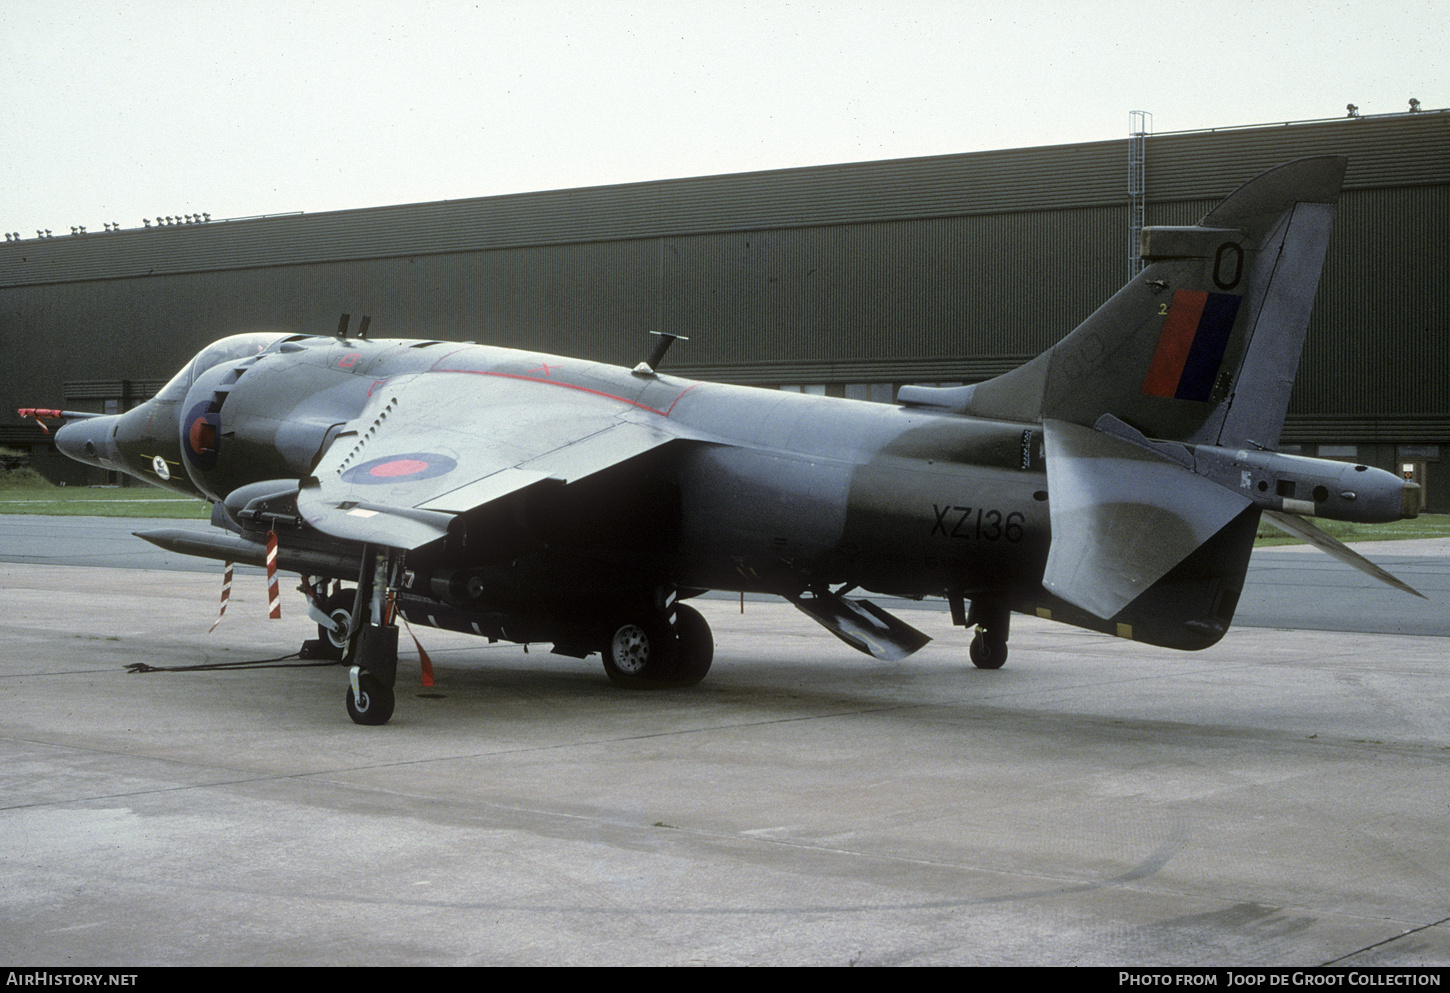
x=1393, y=150
x=939, y=293
x=1389, y=150
x=855, y=193
x=1379, y=341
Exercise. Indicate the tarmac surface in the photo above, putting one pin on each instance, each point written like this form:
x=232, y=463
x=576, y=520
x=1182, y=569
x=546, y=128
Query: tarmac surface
x=1281, y=799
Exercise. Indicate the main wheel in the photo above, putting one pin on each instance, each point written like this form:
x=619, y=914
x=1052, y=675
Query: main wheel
x=695, y=649
x=637, y=653
x=648, y=655
x=372, y=704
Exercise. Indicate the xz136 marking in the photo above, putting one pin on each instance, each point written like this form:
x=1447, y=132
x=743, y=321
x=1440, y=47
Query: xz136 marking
x=977, y=523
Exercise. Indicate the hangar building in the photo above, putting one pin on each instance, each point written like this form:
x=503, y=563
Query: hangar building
x=844, y=279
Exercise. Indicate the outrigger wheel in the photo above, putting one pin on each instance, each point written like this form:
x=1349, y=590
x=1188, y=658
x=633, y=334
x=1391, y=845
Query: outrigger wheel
x=987, y=652
x=647, y=653
x=338, y=606
x=989, y=647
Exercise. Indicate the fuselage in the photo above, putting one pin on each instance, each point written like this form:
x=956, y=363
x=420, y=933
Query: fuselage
x=766, y=491
x=754, y=490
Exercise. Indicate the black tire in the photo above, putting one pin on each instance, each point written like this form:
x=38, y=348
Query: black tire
x=695, y=649
x=376, y=704
x=988, y=653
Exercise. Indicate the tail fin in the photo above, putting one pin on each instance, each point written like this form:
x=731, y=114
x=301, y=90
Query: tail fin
x=1203, y=345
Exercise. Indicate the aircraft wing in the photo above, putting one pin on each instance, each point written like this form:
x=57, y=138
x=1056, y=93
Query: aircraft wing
x=437, y=444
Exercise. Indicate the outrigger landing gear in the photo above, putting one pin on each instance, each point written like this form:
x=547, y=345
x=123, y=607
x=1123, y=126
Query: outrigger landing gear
x=658, y=649
x=989, y=647
x=992, y=621
x=333, y=614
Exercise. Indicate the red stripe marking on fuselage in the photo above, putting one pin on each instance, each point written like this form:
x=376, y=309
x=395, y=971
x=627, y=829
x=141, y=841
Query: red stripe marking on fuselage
x=572, y=386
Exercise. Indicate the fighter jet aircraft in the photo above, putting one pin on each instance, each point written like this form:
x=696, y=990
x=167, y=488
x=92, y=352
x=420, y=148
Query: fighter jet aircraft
x=1115, y=482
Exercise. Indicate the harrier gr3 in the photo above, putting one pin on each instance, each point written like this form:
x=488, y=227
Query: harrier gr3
x=1115, y=482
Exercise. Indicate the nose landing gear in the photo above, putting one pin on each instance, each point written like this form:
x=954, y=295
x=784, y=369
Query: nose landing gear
x=988, y=651
x=359, y=625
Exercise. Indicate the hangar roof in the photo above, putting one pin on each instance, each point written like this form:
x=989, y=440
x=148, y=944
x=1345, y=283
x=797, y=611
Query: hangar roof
x=1384, y=150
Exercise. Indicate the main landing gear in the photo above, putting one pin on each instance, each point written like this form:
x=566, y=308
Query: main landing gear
x=645, y=645
x=334, y=622
x=650, y=649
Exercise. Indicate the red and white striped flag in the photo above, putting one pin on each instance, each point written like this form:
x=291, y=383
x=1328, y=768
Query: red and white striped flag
x=226, y=595
x=274, y=598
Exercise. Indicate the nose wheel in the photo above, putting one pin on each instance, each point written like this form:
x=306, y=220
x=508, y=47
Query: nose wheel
x=371, y=640
x=368, y=701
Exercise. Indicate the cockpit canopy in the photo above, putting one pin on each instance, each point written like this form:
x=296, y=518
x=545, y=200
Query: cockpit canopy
x=238, y=346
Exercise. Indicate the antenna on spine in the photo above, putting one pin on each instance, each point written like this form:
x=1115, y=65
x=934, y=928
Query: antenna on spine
x=649, y=365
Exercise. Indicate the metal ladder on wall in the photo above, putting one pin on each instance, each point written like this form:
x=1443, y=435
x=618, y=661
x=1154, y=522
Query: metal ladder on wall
x=1139, y=126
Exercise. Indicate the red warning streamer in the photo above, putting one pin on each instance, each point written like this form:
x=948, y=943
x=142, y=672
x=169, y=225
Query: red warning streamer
x=226, y=595
x=274, y=598
x=424, y=662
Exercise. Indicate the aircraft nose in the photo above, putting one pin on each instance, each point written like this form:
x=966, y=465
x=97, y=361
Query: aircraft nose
x=90, y=441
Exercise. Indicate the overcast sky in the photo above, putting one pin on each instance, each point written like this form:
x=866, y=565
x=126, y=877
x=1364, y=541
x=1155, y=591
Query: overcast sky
x=115, y=111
